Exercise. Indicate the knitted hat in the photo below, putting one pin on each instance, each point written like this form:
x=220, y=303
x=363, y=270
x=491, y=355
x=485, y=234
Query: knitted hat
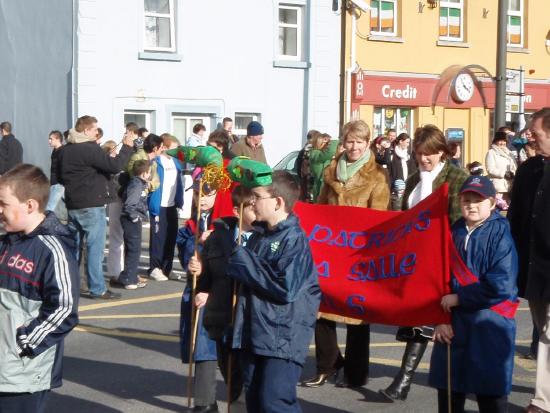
x=254, y=129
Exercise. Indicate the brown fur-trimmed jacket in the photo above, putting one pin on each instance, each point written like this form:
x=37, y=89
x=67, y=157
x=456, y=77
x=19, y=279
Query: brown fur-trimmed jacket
x=368, y=188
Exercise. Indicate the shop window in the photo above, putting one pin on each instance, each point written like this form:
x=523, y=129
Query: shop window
x=159, y=28
x=515, y=23
x=383, y=17
x=242, y=120
x=400, y=119
x=451, y=20
x=290, y=25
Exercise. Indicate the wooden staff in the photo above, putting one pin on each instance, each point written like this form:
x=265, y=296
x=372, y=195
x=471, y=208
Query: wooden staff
x=449, y=392
x=233, y=306
x=194, y=314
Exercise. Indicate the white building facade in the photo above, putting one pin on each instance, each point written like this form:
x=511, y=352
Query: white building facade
x=169, y=64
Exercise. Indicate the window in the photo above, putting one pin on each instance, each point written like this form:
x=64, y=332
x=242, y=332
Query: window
x=242, y=120
x=141, y=117
x=290, y=32
x=182, y=125
x=383, y=17
x=400, y=119
x=451, y=20
x=159, y=34
x=515, y=23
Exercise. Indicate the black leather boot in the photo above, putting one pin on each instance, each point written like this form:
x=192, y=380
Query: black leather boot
x=401, y=384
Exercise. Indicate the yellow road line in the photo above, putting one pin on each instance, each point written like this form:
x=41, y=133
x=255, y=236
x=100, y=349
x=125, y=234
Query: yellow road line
x=529, y=365
x=119, y=333
x=122, y=316
x=148, y=299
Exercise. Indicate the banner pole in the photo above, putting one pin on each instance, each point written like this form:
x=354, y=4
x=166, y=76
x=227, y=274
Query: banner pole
x=233, y=305
x=449, y=392
x=194, y=323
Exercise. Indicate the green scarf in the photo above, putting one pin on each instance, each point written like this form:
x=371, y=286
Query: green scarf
x=345, y=170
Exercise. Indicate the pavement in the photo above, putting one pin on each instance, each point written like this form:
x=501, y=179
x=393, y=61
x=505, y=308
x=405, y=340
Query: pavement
x=124, y=357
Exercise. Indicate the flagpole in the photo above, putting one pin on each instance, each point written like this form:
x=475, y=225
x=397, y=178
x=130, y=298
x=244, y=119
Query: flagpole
x=449, y=392
x=233, y=305
x=194, y=315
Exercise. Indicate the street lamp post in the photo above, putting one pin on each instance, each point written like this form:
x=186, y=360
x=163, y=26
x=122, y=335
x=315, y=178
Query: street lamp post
x=502, y=29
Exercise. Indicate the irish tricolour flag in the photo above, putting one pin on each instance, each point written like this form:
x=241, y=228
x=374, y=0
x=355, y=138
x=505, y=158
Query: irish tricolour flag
x=382, y=16
x=514, y=30
x=449, y=22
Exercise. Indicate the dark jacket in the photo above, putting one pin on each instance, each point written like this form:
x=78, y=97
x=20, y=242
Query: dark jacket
x=214, y=280
x=279, y=294
x=205, y=347
x=134, y=200
x=85, y=170
x=11, y=153
x=530, y=223
x=54, y=166
x=39, y=300
x=396, y=168
x=449, y=174
x=482, y=350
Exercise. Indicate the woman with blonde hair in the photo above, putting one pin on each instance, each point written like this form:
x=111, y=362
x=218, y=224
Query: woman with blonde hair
x=353, y=178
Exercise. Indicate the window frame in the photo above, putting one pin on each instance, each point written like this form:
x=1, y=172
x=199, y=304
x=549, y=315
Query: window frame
x=394, y=33
x=204, y=118
x=453, y=5
x=256, y=116
x=172, y=18
x=299, y=31
x=520, y=14
x=138, y=112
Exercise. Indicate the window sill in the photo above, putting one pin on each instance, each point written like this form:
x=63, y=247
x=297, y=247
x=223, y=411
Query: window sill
x=291, y=64
x=447, y=43
x=517, y=50
x=161, y=56
x=391, y=39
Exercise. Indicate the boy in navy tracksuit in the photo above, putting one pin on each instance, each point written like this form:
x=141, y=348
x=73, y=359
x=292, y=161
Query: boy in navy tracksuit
x=278, y=299
x=38, y=291
x=483, y=304
x=134, y=212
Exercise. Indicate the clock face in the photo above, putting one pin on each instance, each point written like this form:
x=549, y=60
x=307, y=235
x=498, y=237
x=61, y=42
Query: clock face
x=463, y=88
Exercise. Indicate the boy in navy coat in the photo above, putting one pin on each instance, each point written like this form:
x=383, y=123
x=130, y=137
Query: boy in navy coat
x=483, y=305
x=278, y=299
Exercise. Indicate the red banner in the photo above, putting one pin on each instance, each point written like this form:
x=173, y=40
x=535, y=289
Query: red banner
x=381, y=266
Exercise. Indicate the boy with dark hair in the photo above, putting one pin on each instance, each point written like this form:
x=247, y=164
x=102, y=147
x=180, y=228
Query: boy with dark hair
x=278, y=299
x=215, y=292
x=483, y=304
x=134, y=212
x=38, y=291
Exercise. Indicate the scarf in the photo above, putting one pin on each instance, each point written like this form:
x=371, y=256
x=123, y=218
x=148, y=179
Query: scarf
x=404, y=156
x=345, y=170
x=424, y=188
x=502, y=151
x=78, y=137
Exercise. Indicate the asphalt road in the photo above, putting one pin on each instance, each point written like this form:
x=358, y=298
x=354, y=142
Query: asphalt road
x=124, y=357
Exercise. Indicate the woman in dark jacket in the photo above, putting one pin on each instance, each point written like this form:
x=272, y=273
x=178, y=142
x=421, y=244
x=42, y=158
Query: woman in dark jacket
x=434, y=169
x=402, y=166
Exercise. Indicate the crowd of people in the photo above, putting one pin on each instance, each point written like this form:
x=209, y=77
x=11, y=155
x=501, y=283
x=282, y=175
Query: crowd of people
x=267, y=256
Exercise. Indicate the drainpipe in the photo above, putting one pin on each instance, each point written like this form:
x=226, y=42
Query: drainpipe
x=343, y=71
x=351, y=67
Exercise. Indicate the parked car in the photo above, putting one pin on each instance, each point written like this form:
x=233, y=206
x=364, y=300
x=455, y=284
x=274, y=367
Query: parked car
x=288, y=163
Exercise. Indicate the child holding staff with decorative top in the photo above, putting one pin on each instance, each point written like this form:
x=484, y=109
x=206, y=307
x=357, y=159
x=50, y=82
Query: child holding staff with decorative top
x=483, y=304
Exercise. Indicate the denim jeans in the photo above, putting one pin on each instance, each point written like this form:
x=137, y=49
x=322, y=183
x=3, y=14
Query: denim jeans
x=56, y=193
x=90, y=225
